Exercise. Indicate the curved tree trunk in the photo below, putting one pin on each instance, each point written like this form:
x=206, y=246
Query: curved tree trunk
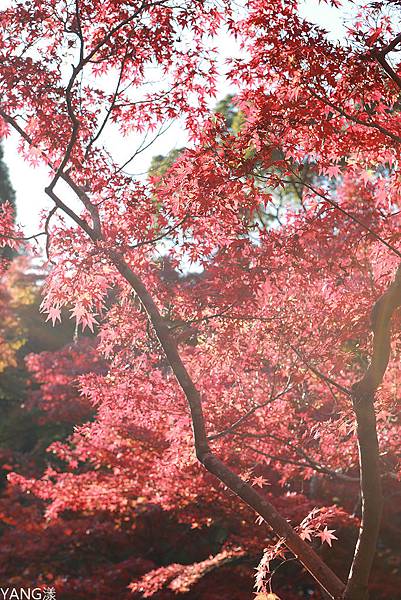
x=363, y=400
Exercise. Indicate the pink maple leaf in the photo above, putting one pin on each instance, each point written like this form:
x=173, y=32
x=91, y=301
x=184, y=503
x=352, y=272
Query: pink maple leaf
x=260, y=481
x=305, y=534
x=327, y=536
x=54, y=315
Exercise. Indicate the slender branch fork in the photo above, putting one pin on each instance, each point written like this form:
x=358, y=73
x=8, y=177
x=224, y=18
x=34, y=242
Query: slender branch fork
x=232, y=428
x=363, y=392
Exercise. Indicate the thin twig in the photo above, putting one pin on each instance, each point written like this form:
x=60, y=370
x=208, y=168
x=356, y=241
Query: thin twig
x=251, y=411
x=321, y=375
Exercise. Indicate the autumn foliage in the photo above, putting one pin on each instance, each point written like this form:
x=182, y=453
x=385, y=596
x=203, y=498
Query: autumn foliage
x=234, y=371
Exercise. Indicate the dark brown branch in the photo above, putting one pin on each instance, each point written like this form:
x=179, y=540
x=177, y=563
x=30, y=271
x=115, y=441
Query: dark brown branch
x=161, y=236
x=301, y=453
x=64, y=176
x=245, y=416
x=144, y=146
x=309, y=464
x=170, y=349
x=84, y=60
x=205, y=319
x=325, y=576
x=349, y=215
x=381, y=314
x=14, y=123
x=391, y=45
x=47, y=225
x=338, y=207
x=357, y=120
x=22, y=238
x=304, y=552
x=91, y=208
x=321, y=375
x=110, y=109
x=388, y=69
x=60, y=204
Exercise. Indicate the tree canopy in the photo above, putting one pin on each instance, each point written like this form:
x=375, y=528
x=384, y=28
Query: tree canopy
x=264, y=383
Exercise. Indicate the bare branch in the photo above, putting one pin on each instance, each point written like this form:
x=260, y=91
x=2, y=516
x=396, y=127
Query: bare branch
x=161, y=236
x=143, y=146
x=64, y=176
x=22, y=238
x=310, y=462
x=60, y=204
x=321, y=375
x=389, y=70
x=204, y=319
x=110, y=109
x=391, y=46
x=357, y=120
x=250, y=412
x=349, y=215
x=310, y=465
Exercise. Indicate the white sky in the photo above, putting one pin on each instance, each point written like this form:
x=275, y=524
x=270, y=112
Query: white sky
x=30, y=182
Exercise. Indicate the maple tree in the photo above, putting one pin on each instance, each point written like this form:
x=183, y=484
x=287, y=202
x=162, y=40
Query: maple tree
x=280, y=346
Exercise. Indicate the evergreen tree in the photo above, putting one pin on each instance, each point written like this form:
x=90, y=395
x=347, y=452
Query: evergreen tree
x=6, y=189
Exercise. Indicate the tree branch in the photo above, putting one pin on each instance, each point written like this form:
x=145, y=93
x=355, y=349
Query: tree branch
x=308, y=464
x=161, y=236
x=380, y=57
x=396, y=138
x=391, y=45
x=311, y=463
x=241, y=420
x=321, y=375
x=349, y=215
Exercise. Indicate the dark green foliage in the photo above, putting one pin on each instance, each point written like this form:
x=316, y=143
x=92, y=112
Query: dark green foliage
x=20, y=430
x=7, y=193
x=6, y=190
x=234, y=117
x=160, y=164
